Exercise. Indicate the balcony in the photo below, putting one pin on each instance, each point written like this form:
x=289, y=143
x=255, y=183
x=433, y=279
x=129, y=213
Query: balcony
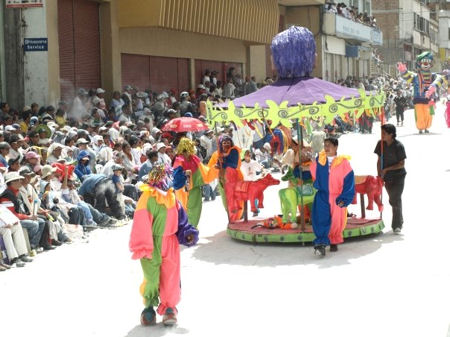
x=350, y=30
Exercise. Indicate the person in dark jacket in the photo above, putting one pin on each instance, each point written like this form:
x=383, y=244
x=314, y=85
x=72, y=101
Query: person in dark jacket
x=100, y=191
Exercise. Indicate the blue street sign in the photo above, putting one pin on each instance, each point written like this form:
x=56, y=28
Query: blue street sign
x=35, y=44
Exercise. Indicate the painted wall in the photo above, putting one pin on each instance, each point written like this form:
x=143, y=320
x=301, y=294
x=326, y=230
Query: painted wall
x=163, y=42
x=35, y=63
x=54, y=89
x=258, y=62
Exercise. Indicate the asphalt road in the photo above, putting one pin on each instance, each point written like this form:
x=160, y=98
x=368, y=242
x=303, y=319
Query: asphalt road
x=384, y=285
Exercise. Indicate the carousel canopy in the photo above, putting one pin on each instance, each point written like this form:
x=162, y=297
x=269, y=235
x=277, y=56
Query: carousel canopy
x=296, y=95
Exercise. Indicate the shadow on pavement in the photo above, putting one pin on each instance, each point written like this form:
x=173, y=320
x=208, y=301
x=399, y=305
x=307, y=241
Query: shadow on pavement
x=221, y=249
x=156, y=331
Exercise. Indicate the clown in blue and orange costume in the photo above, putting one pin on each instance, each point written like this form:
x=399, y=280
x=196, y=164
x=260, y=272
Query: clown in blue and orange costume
x=160, y=224
x=197, y=175
x=227, y=160
x=425, y=84
x=334, y=181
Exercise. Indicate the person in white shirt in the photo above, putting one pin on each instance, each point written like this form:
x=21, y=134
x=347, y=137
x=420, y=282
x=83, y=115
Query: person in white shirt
x=162, y=156
x=250, y=168
x=206, y=140
x=263, y=156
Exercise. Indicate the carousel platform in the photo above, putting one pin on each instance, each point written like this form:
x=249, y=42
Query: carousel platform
x=254, y=231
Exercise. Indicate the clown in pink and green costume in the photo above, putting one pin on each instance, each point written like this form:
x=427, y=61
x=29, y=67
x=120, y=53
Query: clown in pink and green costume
x=159, y=225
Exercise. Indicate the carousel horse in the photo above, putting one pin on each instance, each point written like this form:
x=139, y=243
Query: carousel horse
x=252, y=191
x=373, y=187
x=290, y=197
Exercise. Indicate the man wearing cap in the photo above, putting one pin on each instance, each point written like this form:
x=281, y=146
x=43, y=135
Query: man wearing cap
x=13, y=237
x=4, y=151
x=9, y=198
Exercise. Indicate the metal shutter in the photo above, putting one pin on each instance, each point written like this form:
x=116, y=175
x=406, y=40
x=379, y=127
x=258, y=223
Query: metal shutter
x=156, y=73
x=79, y=46
x=87, y=44
x=66, y=46
x=136, y=71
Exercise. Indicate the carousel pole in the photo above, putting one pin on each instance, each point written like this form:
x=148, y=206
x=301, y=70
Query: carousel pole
x=300, y=144
x=382, y=113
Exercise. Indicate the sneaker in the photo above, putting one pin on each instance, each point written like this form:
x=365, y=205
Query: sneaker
x=319, y=250
x=39, y=250
x=5, y=265
x=170, y=317
x=24, y=258
x=16, y=263
x=397, y=230
x=148, y=316
x=56, y=243
x=426, y=131
x=333, y=248
x=420, y=132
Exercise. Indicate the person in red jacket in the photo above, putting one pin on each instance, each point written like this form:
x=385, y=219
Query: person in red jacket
x=37, y=231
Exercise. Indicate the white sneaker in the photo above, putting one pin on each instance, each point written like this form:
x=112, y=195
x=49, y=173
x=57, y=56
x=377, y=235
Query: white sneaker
x=397, y=230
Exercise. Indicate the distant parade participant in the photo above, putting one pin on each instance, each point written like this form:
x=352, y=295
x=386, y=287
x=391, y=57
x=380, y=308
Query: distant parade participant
x=425, y=85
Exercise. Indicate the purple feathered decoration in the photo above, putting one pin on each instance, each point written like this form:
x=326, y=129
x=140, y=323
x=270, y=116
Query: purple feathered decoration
x=294, y=52
x=187, y=234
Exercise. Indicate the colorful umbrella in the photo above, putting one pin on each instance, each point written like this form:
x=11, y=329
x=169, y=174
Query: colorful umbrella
x=185, y=124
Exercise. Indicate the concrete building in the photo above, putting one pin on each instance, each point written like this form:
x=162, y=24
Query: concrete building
x=409, y=28
x=158, y=44
x=444, y=35
x=51, y=51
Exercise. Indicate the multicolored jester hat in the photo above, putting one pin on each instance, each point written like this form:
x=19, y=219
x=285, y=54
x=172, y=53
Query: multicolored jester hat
x=296, y=95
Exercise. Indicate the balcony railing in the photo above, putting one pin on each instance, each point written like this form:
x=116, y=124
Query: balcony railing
x=350, y=30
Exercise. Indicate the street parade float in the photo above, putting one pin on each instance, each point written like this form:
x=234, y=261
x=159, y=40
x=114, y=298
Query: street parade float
x=294, y=101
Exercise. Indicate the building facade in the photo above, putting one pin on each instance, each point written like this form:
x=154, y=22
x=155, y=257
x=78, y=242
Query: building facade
x=344, y=46
x=157, y=45
x=409, y=28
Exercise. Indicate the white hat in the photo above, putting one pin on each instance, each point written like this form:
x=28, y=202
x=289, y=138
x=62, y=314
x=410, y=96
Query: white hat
x=47, y=170
x=159, y=146
x=100, y=91
x=12, y=176
x=82, y=141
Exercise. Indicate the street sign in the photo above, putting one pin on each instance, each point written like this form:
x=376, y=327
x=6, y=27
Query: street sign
x=24, y=3
x=35, y=44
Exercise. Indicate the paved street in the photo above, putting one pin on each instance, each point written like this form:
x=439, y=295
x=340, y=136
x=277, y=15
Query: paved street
x=384, y=285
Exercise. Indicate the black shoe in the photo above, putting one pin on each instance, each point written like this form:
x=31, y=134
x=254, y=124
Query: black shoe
x=426, y=131
x=319, y=250
x=48, y=247
x=56, y=243
x=333, y=248
x=25, y=258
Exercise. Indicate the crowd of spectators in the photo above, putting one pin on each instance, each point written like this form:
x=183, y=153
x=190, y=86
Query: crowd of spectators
x=351, y=13
x=70, y=169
